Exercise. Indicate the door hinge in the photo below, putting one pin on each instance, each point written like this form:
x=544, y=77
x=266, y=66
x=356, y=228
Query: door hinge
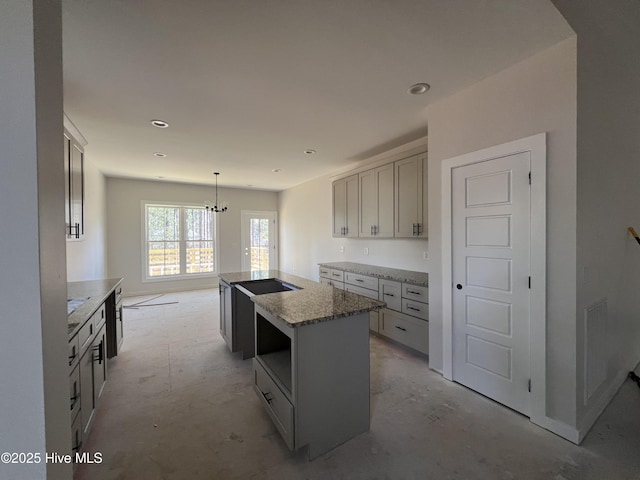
x=529, y=178
x=529, y=385
x=529, y=282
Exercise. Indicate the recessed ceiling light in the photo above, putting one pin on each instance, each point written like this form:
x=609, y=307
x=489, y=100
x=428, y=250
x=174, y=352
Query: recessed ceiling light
x=311, y=151
x=159, y=123
x=419, y=88
x=159, y=154
x=275, y=170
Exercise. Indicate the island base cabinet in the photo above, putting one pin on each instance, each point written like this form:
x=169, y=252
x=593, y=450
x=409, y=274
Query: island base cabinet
x=323, y=370
x=275, y=402
x=405, y=329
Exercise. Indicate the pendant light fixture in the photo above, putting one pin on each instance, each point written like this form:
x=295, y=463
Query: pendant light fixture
x=223, y=207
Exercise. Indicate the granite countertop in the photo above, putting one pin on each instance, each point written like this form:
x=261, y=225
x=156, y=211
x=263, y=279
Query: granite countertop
x=313, y=303
x=405, y=276
x=95, y=292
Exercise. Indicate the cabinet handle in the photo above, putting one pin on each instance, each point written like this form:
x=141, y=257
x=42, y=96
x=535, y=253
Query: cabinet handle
x=72, y=357
x=77, y=447
x=335, y=274
x=418, y=228
x=400, y=328
x=371, y=229
x=74, y=400
x=414, y=292
x=98, y=348
x=269, y=400
x=389, y=294
x=359, y=280
x=346, y=230
x=413, y=308
x=414, y=229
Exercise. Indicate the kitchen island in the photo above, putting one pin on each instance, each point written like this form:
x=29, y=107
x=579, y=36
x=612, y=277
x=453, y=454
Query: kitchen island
x=311, y=365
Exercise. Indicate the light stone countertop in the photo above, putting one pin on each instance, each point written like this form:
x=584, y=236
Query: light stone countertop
x=313, y=303
x=96, y=292
x=405, y=276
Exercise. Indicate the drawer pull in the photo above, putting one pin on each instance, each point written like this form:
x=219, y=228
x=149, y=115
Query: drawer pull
x=401, y=328
x=413, y=292
x=77, y=447
x=74, y=400
x=413, y=308
x=266, y=397
x=336, y=274
x=72, y=357
x=359, y=280
x=389, y=294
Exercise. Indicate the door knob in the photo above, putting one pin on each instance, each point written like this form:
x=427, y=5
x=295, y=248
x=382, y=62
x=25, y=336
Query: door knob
x=459, y=287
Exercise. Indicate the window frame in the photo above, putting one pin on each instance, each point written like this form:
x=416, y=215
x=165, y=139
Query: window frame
x=182, y=241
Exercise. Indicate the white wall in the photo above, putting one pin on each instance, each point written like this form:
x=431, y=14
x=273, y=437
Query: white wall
x=87, y=258
x=125, y=228
x=34, y=376
x=608, y=258
x=536, y=95
x=305, y=236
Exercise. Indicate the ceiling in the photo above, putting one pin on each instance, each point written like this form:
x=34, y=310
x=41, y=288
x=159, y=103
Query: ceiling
x=247, y=85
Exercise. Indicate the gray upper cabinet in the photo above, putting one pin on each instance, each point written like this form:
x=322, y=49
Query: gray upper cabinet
x=345, y=207
x=383, y=202
x=410, y=197
x=74, y=144
x=376, y=202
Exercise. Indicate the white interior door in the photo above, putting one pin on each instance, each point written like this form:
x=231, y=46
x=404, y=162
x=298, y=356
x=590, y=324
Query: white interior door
x=491, y=222
x=259, y=246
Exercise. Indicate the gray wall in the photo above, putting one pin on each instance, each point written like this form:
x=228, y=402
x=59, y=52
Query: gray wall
x=34, y=377
x=536, y=95
x=125, y=227
x=608, y=197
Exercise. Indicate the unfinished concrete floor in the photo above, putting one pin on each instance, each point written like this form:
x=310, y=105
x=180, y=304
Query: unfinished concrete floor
x=179, y=405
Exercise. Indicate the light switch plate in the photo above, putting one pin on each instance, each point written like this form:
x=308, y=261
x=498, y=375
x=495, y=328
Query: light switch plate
x=366, y=250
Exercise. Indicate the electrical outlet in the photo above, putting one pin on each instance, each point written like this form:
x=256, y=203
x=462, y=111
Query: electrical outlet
x=366, y=250
x=425, y=255
x=341, y=248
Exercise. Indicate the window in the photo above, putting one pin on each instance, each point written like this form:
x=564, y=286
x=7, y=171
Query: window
x=179, y=240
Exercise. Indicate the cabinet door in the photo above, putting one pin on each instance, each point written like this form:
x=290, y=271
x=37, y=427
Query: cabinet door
x=368, y=203
x=99, y=350
x=67, y=185
x=86, y=390
x=408, y=194
x=339, y=207
x=76, y=177
x=384, y=180
x=351, y=207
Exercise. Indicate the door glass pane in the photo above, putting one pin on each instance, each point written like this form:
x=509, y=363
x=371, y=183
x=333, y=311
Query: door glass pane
x=259, y=248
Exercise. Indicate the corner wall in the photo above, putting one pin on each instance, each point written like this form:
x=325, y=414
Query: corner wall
x=125, y=228
x=608, y=257
x=533, y=96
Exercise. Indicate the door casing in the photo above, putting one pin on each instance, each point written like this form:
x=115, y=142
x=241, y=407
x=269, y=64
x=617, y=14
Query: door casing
x=536, y=145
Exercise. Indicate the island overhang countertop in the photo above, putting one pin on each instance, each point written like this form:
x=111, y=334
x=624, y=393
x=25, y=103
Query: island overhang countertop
x=312, y=303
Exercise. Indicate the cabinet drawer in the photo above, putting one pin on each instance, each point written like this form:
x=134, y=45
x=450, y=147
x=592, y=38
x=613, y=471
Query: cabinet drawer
x=325, y=272
x=276, y=403
x=362, y=291
x=390, y=292
x=74, y=352
x=415, y=309
x=86, y=333
x=415, y=292
x=99, y=317
x=361, y=280
x=405, y=329
x=74, y=393
x=338, y=285
x=336, y=275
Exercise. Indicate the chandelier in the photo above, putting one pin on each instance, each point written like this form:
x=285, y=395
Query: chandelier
x=214, y=208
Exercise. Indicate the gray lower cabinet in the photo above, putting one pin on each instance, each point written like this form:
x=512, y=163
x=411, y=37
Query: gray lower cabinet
x=88, y=375
x=406, y=317
x=313, y=380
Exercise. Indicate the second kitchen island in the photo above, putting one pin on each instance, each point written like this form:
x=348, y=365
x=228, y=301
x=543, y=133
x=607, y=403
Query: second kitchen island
x=311, y=364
